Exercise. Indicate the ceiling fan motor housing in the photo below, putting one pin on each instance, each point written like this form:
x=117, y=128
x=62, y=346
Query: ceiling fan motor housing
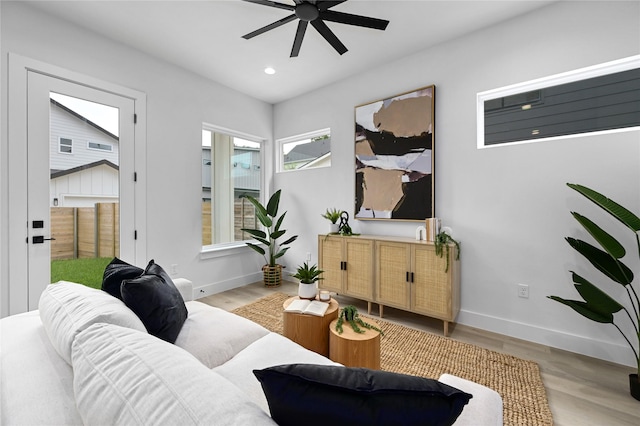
x=307, y=12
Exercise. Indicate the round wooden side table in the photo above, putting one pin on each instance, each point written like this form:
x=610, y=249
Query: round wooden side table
x=353, y=349
x=310, y=331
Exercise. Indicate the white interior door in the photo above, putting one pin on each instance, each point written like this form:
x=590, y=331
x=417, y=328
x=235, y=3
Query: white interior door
x=41, y=149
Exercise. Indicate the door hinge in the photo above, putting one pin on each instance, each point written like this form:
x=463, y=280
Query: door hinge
x=135, y=176
x=135, y=118
x=135, y=234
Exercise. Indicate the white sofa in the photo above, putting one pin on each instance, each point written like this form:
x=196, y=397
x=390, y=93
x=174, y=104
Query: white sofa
x=87, y=361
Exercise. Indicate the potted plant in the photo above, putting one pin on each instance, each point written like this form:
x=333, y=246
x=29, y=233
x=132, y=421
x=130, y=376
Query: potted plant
x=268, y=217
x=350, y=314
x=332, y=215
x=308, y=276
x=597, y=305
x=442, y=241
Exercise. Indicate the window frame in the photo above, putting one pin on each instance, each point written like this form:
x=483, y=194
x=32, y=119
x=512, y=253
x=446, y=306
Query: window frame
x=60, y=151
x=105, y=144
x=624, y=64
x=233, y=247
x=283, y=141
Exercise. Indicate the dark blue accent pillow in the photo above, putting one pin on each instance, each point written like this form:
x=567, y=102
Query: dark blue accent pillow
x=155, y=299
x=323, y=395
x=116, y=272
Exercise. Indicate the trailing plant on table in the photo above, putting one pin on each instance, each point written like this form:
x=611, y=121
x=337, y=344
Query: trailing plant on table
x=597, y=305
x=350, y=314
x=268, y=217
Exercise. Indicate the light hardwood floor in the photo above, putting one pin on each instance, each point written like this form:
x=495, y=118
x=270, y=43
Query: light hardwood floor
x=581, y=390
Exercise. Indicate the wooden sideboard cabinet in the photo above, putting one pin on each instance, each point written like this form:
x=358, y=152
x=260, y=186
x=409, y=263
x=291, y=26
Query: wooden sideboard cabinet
x=348, y=266
x=407, y=274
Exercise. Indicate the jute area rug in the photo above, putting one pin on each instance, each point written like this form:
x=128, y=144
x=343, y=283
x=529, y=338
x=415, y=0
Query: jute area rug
x=409, y=351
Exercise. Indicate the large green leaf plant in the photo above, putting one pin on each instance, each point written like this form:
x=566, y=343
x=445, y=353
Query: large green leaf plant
x=597, y=305
x=272, y=223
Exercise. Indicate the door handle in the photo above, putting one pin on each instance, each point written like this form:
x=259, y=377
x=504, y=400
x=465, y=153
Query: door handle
x=39, y=239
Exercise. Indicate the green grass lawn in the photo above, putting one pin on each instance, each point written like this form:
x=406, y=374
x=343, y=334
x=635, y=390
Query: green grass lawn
x=84, y=271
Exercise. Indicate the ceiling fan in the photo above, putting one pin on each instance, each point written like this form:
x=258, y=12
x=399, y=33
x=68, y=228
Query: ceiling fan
x=316, y=12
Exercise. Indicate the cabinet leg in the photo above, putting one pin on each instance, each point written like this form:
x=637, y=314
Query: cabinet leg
x=369, y=308
x=446, y=328
x=381, y=308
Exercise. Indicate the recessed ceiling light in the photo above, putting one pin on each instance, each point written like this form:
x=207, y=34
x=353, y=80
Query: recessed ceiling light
x=269, y=70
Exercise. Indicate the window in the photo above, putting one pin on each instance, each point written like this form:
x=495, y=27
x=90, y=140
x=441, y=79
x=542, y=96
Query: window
x=100, y=146
x=65, y=146
x=598, y=99
x=306, y=151
x=230, y=170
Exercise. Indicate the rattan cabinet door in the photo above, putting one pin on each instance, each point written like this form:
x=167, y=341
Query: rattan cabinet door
x=393, y=274
x=431, y=287
x=359, y=268
x=330, y=260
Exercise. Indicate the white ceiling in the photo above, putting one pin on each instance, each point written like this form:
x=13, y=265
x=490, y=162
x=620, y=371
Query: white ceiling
x=205, y=37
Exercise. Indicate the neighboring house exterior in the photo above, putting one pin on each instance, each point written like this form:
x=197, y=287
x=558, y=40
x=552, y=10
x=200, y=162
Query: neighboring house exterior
x=245, y=172
x=83, y=160
x=85, y=185
x=306, y=155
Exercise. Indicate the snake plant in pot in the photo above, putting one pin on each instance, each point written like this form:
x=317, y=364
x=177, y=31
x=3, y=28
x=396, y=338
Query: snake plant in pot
x=272, y=223
x=597, y=305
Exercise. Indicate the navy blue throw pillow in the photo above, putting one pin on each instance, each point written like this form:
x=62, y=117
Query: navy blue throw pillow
x=156, y=301
x=116, y=272
x=323, y=394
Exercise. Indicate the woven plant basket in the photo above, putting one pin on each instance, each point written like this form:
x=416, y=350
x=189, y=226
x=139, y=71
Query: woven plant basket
x=272, y=275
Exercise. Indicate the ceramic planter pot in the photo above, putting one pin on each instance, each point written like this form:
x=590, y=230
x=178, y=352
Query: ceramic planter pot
x=307, y=291
x=634, y=386
x=333, y=228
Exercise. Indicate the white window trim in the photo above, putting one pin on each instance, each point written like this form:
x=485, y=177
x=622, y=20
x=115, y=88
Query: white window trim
x=60, y=151
x=100, y=149
x=281, y=142
x=612, y=67
x=228, y=249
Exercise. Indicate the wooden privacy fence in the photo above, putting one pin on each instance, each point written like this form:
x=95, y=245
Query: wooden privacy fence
x=85, y=232
x=244, y=216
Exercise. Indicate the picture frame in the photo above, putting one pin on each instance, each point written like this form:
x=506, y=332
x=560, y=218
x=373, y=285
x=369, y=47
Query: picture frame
x=395, y=157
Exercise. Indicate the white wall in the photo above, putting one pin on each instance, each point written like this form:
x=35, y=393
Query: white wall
x=508, y=206
x=178, y=102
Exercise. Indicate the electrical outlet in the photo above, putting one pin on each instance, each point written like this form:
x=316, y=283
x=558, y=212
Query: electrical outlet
x=308, y=256
x=523, y=291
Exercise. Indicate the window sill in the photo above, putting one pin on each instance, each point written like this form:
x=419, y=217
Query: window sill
x=222, y=250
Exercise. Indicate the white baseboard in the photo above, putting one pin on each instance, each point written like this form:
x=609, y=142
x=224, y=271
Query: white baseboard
x=219, y=287
x=608, y=351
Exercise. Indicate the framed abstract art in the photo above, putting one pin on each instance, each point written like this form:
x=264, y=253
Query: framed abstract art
x=394, y=150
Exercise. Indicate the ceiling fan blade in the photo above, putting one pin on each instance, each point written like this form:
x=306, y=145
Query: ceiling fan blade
x=297, y=42
x=272, y=4
x=329, y=36
x=358, y=20
x=269, y=27
x=324, y=5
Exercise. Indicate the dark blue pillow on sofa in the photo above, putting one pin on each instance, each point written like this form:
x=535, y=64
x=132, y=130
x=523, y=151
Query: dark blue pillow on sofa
x=156, y=301
x=116, y=272
x=323, y=394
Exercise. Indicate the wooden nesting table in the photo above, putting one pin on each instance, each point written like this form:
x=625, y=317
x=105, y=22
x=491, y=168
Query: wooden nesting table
x=353, y=349
x=310, y=331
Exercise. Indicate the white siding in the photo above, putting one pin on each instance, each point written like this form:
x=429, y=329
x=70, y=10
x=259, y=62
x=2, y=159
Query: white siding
x=65, y=125
x=86, y=187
